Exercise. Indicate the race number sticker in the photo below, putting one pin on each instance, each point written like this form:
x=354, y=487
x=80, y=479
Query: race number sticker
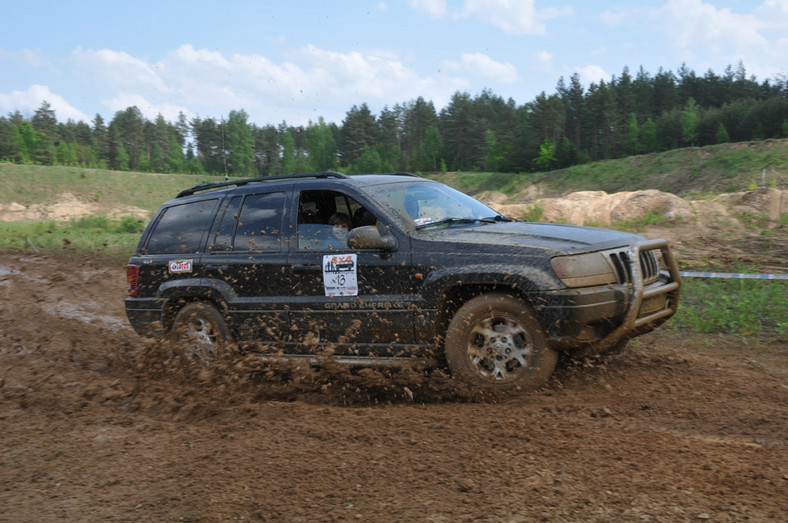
x=339, y=275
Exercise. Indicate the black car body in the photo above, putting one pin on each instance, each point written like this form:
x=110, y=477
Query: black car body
x=425, y=271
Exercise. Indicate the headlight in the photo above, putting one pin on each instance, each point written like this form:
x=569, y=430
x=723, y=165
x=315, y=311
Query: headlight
x=583, y=270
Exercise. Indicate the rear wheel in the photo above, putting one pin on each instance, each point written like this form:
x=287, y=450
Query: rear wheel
x=496, y=340
x=202, y=331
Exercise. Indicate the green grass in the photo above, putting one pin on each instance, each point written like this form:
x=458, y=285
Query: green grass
x=533, y=213
x=32, y=184
x=640, y=224
x=94, y=237
x=745, y=308
x=477, y=182
x=712, y=169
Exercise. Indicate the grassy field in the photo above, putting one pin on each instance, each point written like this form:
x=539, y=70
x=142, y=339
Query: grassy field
x=750, y=309
x=32, y=184
x=743, y=308
x=691, y=171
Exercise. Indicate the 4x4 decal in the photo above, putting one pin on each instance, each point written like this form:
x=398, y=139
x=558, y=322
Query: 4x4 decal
x=339, y=275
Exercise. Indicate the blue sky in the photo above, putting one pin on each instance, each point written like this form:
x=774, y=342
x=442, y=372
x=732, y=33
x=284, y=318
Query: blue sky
x=296, y=61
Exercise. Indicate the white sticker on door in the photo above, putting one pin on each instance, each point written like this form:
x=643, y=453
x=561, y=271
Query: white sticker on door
x=339, y=275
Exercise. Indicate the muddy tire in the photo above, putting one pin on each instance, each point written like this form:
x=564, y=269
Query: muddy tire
x=495, y=340
x=201, y=330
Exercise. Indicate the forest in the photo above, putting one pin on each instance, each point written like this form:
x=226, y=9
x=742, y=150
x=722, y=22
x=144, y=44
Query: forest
x=628, y=115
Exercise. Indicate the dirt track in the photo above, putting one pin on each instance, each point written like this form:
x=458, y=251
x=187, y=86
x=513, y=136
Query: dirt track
x=97, y=425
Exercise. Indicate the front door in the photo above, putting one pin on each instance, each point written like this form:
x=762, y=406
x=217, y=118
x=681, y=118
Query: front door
x=350, y=302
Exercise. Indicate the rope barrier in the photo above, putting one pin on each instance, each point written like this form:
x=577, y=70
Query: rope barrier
x=733, y=275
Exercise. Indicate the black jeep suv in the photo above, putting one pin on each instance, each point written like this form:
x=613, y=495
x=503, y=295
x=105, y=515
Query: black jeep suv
x=377, y=269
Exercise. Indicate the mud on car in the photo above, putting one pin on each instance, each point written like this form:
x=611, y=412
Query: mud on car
x=380, y=269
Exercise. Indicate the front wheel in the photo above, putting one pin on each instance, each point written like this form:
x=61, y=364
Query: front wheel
x=496, y=340
x=202, y=331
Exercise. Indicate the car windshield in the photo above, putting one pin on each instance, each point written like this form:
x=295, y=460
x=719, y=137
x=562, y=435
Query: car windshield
x=432, y=204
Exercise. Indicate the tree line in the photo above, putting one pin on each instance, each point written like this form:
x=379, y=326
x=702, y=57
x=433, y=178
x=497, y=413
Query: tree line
x=625, y=116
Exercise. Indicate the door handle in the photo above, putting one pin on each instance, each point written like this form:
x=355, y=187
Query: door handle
x=215, y=267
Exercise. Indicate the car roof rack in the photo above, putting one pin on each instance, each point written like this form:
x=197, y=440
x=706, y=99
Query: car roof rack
x=238, y=183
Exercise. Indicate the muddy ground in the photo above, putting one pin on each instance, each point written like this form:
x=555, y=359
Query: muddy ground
x=97, y=424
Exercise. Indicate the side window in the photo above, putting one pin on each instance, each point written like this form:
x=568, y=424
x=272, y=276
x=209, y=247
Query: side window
x=260, y=222
x=180, y=228
x=326, y=217
x=224, y=235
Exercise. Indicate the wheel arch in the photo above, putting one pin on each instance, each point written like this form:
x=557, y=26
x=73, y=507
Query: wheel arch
x=175, y=303
x=455, y=296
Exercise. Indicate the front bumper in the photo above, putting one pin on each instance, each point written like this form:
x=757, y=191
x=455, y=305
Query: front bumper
x=598, y=318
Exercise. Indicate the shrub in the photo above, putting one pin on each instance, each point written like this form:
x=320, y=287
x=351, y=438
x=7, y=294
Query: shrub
x=130, y=224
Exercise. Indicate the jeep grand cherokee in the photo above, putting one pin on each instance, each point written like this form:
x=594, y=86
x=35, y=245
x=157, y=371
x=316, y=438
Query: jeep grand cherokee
x=377, y=269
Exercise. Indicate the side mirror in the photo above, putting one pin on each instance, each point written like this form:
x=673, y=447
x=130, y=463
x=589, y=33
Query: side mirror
x=368, y=237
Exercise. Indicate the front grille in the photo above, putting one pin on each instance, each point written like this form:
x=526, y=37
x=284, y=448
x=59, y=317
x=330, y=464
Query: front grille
x=622, y=265
x=649, y=266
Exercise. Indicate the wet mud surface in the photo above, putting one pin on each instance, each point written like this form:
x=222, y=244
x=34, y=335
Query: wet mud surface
x=97, y=424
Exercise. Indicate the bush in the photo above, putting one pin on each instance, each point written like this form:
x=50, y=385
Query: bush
x=93, y=221
x=130, y=224
x=534, y=213
x=738, y=307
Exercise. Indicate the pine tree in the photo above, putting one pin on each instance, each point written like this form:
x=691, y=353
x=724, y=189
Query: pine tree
x=689, y=122
x=239, y=144
x=721, y=135
x=322, y=146
x=631, y=141
x=359, y=131
x=648, y=136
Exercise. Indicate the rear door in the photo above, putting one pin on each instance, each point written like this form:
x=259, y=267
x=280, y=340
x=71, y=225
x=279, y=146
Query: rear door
x=246, y=264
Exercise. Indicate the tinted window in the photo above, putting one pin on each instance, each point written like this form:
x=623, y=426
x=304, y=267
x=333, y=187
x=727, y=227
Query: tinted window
x=180, y=228
x=260, y=222
x=224, y=235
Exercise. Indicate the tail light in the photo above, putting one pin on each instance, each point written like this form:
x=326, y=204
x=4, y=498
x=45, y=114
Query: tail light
x=132, y=279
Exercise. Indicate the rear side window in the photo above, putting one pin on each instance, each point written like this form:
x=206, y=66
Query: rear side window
x=255, y=224
x=260, y=222
x=180, y=228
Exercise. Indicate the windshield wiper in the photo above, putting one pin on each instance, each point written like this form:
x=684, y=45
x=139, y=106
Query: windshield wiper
x=496, y=218
x=451, y=221
x=448, y=221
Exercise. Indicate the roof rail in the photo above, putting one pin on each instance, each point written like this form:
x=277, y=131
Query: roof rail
x=238, y=183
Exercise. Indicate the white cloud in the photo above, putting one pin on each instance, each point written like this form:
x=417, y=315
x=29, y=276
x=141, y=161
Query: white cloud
x=27, y=102
x=724, y=37
x=434, y=8
x=119, y=68
x=513, y=16
x=696, y=23
x=309, y=83
x=27, y=58
x=481, y=65
x=592, y=74
x=545, y=58
x=149, y=110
